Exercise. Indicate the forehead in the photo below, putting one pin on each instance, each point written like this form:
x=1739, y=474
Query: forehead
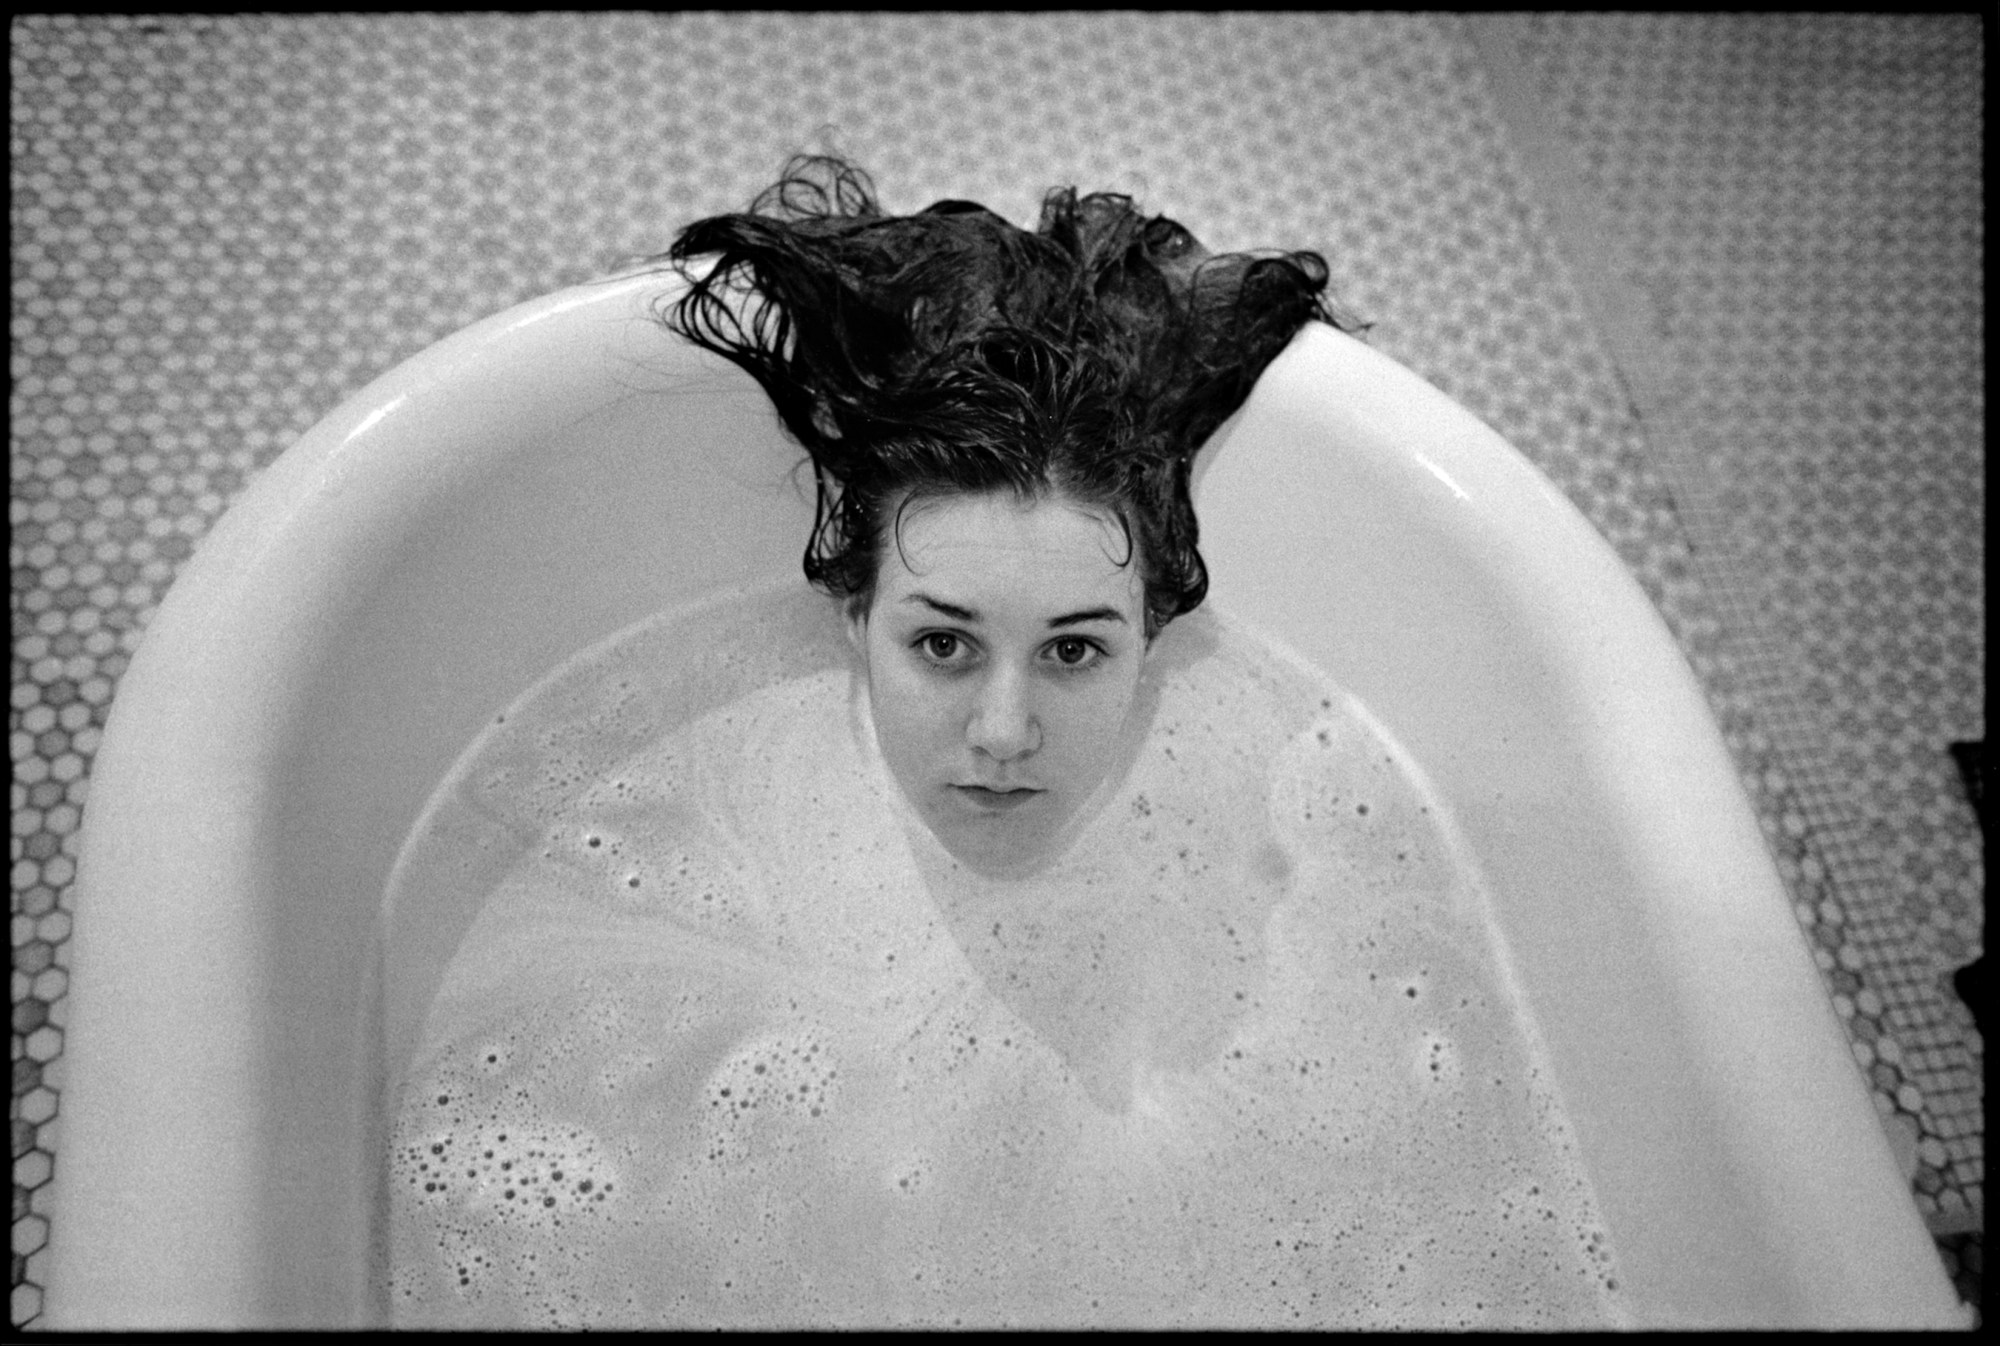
x=1019, y=555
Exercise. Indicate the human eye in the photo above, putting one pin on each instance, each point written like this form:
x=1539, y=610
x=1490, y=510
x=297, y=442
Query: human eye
x=943, y=649
x=1075, y=652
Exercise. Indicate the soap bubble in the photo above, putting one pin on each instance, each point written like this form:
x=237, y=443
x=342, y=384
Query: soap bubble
x=730, y=1046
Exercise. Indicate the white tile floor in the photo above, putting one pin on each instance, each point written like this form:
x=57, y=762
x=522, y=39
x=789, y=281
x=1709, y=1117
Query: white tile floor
x=1717, y=275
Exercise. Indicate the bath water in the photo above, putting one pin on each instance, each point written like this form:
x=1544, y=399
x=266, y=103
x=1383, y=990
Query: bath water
x=733, y=1041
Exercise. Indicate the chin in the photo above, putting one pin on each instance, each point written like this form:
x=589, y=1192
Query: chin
x=1000, y=846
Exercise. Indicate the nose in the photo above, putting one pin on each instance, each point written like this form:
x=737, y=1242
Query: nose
x=1003, y=723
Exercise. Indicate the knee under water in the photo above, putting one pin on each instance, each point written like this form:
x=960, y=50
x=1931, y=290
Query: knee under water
x=732, y=1041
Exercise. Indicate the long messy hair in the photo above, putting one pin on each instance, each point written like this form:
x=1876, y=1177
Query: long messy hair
x=949, y=351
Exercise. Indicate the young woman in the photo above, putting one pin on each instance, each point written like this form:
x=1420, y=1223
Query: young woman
x=1002, y=425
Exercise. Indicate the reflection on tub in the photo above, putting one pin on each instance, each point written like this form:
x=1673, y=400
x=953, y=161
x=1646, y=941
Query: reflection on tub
x=733, y=1041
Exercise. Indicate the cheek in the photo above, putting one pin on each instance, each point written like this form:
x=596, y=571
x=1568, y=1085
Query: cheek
x=1091, y=724
x=912, y=718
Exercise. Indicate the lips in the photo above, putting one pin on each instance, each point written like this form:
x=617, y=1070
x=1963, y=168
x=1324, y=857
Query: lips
x=996, y=801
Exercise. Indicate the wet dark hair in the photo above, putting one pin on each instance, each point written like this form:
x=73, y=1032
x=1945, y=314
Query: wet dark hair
x=951, y=352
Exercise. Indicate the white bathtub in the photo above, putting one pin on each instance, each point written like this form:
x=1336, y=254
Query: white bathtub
x=554, y=473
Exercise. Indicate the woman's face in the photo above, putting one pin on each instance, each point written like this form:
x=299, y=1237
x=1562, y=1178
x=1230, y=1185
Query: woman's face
x=1003, y=646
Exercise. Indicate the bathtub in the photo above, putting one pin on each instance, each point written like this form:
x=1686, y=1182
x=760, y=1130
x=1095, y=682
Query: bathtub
x=554, y=473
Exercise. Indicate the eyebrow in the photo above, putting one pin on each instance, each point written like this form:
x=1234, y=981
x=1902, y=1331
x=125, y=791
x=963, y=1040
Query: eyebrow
x=951, y=610
x=1087, y=615
x=957, y=613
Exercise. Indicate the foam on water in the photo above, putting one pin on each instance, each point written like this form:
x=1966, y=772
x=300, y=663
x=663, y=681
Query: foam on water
x=733, y=1041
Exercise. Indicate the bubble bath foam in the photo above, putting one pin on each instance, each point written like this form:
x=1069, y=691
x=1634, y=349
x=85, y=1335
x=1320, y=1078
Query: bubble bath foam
x=733, y=1042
